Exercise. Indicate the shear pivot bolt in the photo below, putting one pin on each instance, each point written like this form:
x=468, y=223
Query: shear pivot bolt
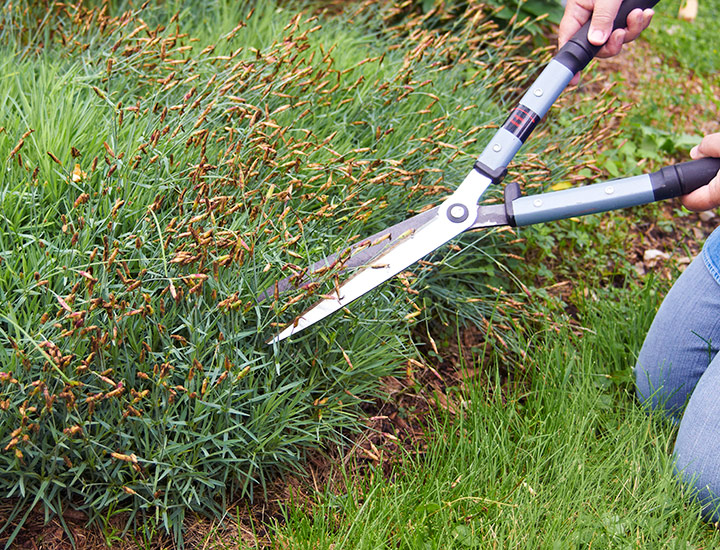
x=458, y=213
x=609, y=190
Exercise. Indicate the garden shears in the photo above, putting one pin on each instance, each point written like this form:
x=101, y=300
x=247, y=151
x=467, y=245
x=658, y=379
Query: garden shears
x=389, y=252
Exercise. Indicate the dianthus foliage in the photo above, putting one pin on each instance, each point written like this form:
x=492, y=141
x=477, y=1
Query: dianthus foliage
x=161, y=168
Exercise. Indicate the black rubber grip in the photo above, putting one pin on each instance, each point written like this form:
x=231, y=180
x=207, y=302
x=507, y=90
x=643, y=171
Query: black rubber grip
x=681, y=179
x=511, y=192
x=495, y=175
x=578, y=51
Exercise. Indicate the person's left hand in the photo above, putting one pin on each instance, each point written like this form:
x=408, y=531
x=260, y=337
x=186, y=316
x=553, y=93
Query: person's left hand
x=708, y=196
x=601, y=14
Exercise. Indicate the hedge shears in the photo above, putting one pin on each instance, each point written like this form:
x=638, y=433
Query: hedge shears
x=389, y=252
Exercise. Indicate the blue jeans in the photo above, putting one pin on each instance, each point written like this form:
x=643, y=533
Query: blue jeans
x=678, y=372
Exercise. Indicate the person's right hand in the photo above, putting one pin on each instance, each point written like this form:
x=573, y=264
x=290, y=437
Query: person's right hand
x=708, y=196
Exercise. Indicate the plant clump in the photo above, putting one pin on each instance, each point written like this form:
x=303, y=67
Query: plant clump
x=162, y=170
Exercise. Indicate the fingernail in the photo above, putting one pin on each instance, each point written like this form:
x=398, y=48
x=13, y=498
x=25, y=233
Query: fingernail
x=597, y=37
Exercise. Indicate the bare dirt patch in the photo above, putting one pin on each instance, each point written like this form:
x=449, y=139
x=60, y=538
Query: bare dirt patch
x=643, y=74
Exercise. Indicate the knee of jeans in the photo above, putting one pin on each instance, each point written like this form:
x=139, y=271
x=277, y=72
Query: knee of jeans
x=700, y=475
x=655, y=391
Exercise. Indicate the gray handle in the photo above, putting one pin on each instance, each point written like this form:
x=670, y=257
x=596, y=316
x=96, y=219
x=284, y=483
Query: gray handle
x=543, y=92
x=580, y=201
x=671, y=181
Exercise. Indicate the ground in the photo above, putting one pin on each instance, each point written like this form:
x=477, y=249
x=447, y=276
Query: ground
x=397, y=420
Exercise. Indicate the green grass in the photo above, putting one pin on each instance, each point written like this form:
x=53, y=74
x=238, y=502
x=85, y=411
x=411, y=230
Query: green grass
x=560, y=457
x=158, y=173
x=679, y=84
x=691, y=44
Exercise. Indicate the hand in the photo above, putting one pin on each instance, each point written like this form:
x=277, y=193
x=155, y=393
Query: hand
x=708, y=196
x=603, y=12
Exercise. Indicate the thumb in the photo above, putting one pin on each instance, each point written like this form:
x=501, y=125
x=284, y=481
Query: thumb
x=601, y=24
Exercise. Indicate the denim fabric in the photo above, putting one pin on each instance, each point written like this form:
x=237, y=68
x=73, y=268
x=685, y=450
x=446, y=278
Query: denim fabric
x=711, y=254
x=678, y=365
x=697, y=447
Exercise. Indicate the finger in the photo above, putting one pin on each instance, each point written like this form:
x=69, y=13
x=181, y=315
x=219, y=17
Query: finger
x=705, y=198
x=634, y=24
x=601, y=24
x=637, y=21
x=614, y=44
x=647, y=17
x=708, y=147
x=577, y=12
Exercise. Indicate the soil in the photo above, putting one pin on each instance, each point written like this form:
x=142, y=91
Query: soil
x=638, y=71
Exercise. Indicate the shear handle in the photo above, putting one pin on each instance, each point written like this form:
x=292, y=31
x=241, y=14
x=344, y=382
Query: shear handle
x=541, y=95
x=671, y=181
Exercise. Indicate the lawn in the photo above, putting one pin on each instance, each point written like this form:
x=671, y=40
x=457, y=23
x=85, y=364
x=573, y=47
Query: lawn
x=166, y=164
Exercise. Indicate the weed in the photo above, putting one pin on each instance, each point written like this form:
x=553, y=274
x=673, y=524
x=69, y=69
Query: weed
x=692, y=43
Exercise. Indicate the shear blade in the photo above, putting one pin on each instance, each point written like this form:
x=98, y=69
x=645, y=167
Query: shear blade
x=412, y=246
x=364, y=252
x=356, y=256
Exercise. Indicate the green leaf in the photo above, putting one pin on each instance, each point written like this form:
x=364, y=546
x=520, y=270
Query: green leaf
x=428, y=5
x=464, y=535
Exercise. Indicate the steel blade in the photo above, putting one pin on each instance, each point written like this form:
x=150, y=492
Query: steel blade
x=493, y=215
x=358, y=255
x=419, y=242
